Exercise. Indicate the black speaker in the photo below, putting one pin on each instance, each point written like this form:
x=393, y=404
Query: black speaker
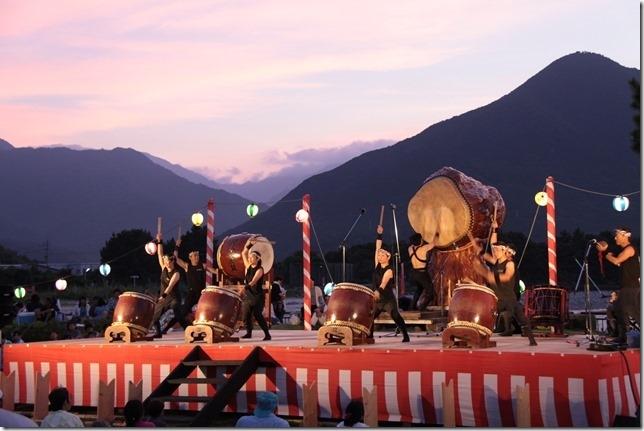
x=626, y=421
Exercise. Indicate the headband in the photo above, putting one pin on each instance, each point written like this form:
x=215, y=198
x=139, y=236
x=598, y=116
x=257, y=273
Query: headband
x=623, y=232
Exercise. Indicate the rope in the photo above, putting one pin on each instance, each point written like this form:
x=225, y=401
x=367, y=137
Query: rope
x=527, y=241
x=594, y=192
x=321, y=252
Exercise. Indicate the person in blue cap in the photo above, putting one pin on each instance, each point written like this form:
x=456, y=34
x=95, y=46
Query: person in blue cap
x=264, y=415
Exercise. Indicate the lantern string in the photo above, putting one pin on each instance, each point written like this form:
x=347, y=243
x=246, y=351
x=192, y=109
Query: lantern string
x=594, y=192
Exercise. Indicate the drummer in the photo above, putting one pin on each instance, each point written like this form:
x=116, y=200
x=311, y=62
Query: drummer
x=383, y=287
x=195, y=277
x=501, y=277
x=253, y=296
x=169, y=295
x=419, y=252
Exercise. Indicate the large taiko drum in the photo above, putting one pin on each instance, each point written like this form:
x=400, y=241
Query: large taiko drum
x=473, y=306
x=351, y=305
x=229, y=256
x=219, y=308
x=134, y=310
x=546, y=304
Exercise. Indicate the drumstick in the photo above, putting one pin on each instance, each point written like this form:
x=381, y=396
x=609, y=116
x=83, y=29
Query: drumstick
x=179, y=233
x=158, y=225
x=382, y=214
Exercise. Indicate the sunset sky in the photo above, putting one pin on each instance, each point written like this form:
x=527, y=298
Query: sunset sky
x=240, y=89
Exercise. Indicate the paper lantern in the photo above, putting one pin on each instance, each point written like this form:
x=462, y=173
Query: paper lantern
x=197, y=219
x=252, y=210
x=621, y=203
x=541, y=199
x=328, y=288
x=105, y=269
x=19, y=292
x=302, y=216
x=61, y=284
x=521, y=286
x=151, y=248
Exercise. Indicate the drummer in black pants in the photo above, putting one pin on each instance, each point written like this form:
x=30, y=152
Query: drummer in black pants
x=253, y=296
x=383, y=287
x=502, y=278
x=169, y=296
x=196, y=280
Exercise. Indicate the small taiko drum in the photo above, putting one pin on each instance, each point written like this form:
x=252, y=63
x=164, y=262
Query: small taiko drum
x=473, y=306
x=229, y=256
x=351, y=305
x=219, y=308
x=134, y=310
x=546, y=304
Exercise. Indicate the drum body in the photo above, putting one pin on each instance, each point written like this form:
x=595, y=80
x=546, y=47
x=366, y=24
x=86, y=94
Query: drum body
x=218, y=307
x=134, y=310
x=473, y=306
x=351, y=305
x=546, y=304
x=229, y=256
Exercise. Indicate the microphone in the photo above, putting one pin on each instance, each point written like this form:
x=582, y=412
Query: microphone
x=593, y=241
x=393, y=207
x=363, y=210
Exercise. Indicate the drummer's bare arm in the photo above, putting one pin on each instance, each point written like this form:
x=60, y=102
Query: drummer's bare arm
x=626, y=253
x=214, y=271
x=182, y=263
x=244, y=255
x=495, y=228
x=160, y=249
x=388, y=275
x=508, y=274
x=379, y=231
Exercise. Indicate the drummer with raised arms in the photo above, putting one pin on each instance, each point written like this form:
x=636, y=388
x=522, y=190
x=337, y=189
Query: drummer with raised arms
x=501, y=277
x=383, y=287
x=195, y=277
x=253, y=294
x=169, y=294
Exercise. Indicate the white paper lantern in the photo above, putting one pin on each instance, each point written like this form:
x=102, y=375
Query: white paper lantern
x=197, y=219
x=151, y=248
x=19, y=292
x=105, y=269
x=541, y=199
x=621, y=203
x=61, y=284
x=302, y=216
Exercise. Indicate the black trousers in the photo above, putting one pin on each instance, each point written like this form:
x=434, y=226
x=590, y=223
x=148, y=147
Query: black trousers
x=390, y=306
x=252, y=306
x=509, y=309
x=424, y=294
x=628, y=306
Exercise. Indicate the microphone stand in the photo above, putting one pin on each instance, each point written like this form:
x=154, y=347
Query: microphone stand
x=589, y=321
x=343, y=245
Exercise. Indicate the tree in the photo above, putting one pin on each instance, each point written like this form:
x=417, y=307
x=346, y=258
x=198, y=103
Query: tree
x=635, y=104
x=125, y=252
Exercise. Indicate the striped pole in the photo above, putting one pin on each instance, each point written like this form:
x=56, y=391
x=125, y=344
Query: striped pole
x=210, y=252
x=306, y=262
x=551, y=232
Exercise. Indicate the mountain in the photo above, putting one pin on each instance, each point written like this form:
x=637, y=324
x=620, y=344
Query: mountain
x=571, y=120
x=4, y=145
x=75, y=200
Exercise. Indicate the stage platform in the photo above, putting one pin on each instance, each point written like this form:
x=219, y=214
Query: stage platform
x=569, y=385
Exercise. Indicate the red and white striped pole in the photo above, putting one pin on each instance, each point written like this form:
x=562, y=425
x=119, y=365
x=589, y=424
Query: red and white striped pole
x=306, y=261
x=210, y=238
x=551, y=232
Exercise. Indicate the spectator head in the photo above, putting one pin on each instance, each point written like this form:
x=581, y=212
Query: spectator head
x=266, y=404
x=354, y=412
x=416, y=239
x=133, y=412
x=59, y=399
x=82, y=301
x=154, y=408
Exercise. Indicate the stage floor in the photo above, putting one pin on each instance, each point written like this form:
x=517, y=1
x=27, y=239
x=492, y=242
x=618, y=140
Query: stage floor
x=569, y=385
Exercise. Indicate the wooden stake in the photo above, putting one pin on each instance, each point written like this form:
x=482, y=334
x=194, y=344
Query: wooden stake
x=370, y=401
x=105, y=408
x=8, y=387
x=449, y=409
x=523, y=406
x=310, y=405
x=41, y=401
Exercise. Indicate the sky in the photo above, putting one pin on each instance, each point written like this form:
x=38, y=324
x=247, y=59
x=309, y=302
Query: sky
x=240, y=90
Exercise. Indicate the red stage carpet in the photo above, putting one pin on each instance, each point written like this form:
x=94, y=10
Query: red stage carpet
x=569, y=385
